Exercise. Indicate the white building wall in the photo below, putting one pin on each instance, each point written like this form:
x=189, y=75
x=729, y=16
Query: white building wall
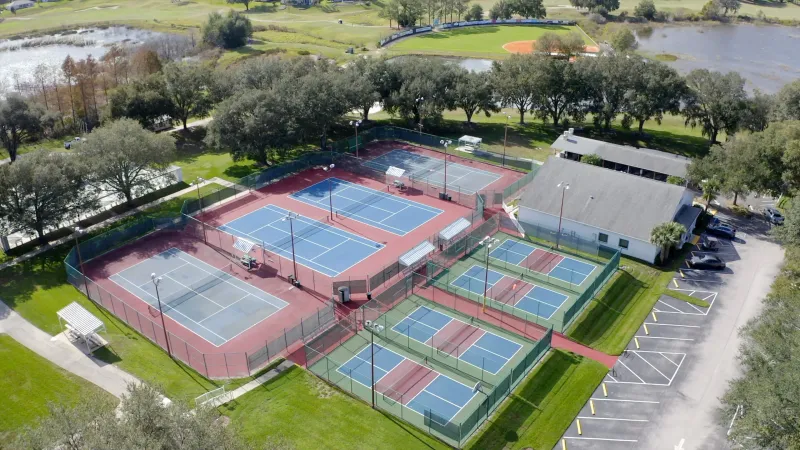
x=636, y=248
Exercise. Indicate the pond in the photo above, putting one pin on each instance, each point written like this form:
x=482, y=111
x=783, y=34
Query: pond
x=21, y=56
x=767, y=56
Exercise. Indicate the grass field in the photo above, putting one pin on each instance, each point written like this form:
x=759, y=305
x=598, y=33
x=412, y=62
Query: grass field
x=538, y=412
x=486, y=41
x=299, y=411
x=28, y=382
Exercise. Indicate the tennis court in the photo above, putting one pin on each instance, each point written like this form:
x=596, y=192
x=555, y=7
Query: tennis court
x=463, y=178
x=483, y=349
x=317, y=245
x=424, y=390
x=530, y=257
x=532, y=299
x=208, y=300
x=369, y=206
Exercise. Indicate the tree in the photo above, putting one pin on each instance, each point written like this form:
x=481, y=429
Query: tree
x=645, y=9
x=141, y=421
x=789, y=233
x=608, y=81
x=548, y=43
x=758, y=111
x=558, y=90
x=473, y=93
x=42, y=191
x=246, y=3
x=187, y=88
x=254, y=124
x=623, y=40
x=529, y=9
x=126, y=159
x=423, y=90
x=656, y=90
x=145, y=62
x=230, y=31
x=787, y=102
x=676, y=180
x=462, y=6
x=146, y=100
x=318, y=100
x=716, y=102
x=515, y=83
x=592, y=159
x=405, y=12
x=712, y=10
x=571, y=44
x=502, y=10
x=711, y=188
x=19, y=120
x=366, y=75
x=475, y=12
x=666, y=236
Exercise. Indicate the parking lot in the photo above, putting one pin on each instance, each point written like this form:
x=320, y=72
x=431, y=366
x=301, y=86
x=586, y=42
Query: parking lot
x=664, y=389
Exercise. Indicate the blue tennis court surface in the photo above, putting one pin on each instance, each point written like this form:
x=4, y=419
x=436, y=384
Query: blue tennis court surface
x=469, y=343
x=532, y=299
x=317, y=245
x=534, y=258
x=468, y=180
x=442, y=396
x=207, y=300
x=378, y=209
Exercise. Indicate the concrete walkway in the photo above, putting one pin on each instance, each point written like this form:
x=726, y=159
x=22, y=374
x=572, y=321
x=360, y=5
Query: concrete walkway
x=59, y=351
x=241, y=390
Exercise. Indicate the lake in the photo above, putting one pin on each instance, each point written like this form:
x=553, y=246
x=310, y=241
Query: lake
x=767, y=56
x=15, y=58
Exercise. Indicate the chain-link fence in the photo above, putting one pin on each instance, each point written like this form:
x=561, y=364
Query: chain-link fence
x=147, y=322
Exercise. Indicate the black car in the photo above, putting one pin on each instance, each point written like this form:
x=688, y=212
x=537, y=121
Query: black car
x=707, y=245
x=706, y=262
x=722, y=230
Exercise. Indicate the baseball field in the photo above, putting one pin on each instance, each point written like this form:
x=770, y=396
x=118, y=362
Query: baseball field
x=494, y=41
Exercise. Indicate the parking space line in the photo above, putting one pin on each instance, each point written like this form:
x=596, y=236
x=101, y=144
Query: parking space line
x=665, y=357
x=599, y=439
x=654, y=367
x=668, y=305
x=631, y=371
x=611, y=418
x=664, y=338
x=695, y=307
x=609, y=376
x=671, y=325
x=622, y=400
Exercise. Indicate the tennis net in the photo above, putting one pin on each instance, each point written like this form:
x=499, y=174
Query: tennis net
x=508, y=293
x=221, y=275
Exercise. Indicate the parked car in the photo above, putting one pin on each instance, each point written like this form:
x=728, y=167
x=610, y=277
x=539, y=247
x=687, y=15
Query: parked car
x=716, y=222
x=773, y=216
x=707, y=245
x=722, y=231
x=706, y=262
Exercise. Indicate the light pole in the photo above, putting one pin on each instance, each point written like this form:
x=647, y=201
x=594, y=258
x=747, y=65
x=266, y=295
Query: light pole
x=290, y=217
x=78, y=232
x=489, y=241
x=330, y=186
x=197, y=184
x=418, y=101
x=564, y=186
x=505, y=139
x=445, y=143
x=156, y=282
x=356, y=124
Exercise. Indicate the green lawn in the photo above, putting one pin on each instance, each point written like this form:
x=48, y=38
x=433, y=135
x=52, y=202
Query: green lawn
x=38, y=288
x=28, y=382
x=478, y=41
x=538, y=412
x=298, y=408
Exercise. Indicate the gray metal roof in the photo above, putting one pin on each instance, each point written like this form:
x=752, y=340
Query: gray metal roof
x=688, y=215
x=452, y=230
x=417, y=253
x=643, y=158
x=82, y=321
x=603, y=198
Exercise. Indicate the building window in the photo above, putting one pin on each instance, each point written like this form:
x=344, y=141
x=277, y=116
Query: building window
x=603, y=238
x=623, y=243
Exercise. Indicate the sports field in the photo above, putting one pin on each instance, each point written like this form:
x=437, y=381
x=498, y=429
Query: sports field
x=481, y=40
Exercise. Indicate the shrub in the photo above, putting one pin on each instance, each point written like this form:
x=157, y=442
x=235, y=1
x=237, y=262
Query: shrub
x=303, y=52
x=646, y=9
x=741, y=211
x=678, y=181
x=597, y=18
x=230, y=31
x=592, y=159
x=475, y=13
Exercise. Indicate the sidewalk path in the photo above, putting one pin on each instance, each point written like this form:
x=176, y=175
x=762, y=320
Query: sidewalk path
x=62, y=353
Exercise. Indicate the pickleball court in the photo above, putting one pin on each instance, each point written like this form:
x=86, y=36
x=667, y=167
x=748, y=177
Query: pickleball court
x=534, y=258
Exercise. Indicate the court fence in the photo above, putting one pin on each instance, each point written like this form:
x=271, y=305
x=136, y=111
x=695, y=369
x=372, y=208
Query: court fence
x=347, y=336
x=146, y=321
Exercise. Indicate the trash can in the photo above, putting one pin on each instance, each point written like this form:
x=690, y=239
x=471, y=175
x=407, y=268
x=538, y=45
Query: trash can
x=369, y=295
x=344, y=294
